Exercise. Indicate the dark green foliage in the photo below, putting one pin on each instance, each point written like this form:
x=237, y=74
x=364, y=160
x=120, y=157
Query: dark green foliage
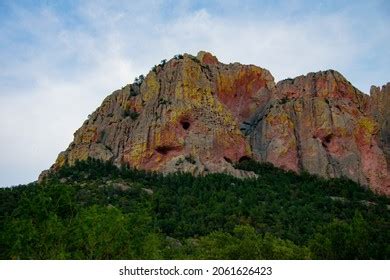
x=160, y=66
x=284, y=100
x=243, y=243
x=190, y=159
x=134, y=89
x=133, y=92
x=178, y=56
x=195, y=59
x=94, y=210
x=139, y=80
x=132, y=114
x=163, y=101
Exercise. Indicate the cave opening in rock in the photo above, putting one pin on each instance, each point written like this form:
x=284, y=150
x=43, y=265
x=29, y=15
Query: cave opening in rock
x=244, y=158
x=328, y=138
x=185, y=124
x=163, y=149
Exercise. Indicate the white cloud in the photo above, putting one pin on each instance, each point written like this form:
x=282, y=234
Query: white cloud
x=51, y=85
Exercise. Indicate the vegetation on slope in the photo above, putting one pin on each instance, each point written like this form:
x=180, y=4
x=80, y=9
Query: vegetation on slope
x=94, y=210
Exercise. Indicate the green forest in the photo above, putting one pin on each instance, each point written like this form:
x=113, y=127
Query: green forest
x=94, y=210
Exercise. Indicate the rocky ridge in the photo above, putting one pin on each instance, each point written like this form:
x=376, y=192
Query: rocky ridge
x=195, y=114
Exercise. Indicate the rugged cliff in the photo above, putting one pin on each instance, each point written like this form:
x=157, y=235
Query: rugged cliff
x=198, y=115
x=322, y=124
x=380, y=106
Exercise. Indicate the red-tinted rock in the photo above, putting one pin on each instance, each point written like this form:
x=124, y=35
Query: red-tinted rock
x=319, y=123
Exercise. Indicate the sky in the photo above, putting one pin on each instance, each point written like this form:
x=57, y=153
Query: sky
x=60, y=59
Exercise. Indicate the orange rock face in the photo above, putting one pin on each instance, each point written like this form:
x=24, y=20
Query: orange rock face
x=198, y=115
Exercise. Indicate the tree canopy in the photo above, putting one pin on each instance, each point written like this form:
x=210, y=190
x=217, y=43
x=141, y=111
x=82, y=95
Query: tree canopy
x=94, y=210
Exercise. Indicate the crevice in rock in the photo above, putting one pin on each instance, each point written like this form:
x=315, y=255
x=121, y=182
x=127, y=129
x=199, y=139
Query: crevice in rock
x=326, y=141
x=228, y=160
x=294, y=117
x=244, y=158
x=164, y=150
x=247, y=127
x=185, y=124
x=328, y=138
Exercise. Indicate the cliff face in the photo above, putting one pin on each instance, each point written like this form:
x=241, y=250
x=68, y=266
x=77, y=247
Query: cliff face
x=322, y=124
x=198, y=115
x=380, y=110
x=185, y=116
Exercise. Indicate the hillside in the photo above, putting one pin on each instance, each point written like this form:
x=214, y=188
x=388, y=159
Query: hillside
x=94, y=210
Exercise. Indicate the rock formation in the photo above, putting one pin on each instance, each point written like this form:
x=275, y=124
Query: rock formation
x=198, y=115
x=322, y=124
x=380, y=110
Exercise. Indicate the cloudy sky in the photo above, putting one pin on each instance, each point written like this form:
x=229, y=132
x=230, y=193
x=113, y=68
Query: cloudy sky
x=59, y=59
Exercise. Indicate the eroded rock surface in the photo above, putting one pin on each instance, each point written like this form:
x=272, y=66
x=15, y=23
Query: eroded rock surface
x=381, y=112
x=322, y=124
x=195, y=114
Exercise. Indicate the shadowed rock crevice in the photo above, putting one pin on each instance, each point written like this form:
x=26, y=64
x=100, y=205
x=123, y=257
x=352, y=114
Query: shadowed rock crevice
x=326, y=141
x=185, y=125
x=244, y=158
x=164, y=150
x=228, y=160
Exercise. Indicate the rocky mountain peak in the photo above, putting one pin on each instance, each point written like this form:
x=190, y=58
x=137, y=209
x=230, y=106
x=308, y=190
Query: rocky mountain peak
x=196, y=114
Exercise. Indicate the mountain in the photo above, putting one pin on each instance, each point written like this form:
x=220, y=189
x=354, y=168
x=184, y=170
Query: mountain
x=198, y=115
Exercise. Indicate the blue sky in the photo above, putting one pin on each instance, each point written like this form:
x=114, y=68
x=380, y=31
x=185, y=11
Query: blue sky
x=61, y=58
